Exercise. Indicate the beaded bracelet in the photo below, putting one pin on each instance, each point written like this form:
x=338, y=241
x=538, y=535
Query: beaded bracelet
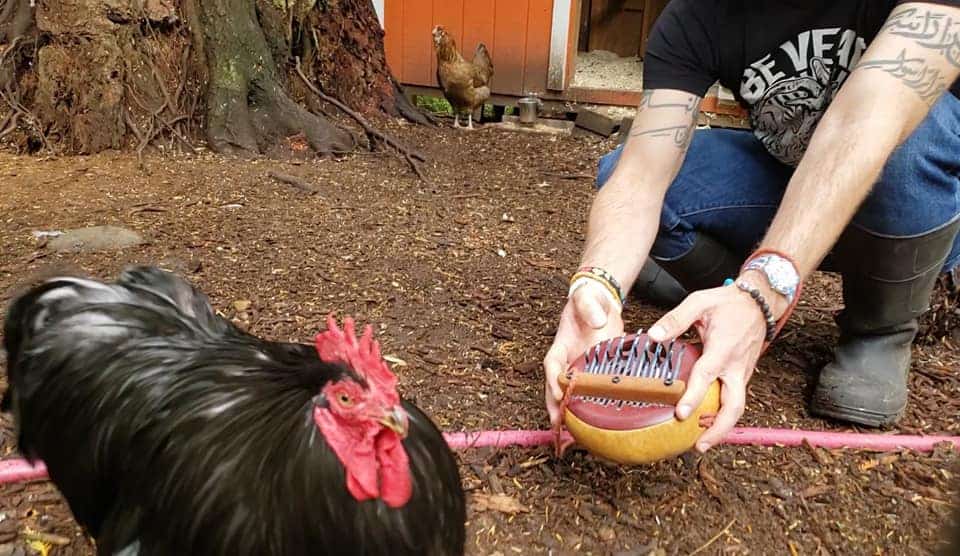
x=764, y=307
x=602, y=276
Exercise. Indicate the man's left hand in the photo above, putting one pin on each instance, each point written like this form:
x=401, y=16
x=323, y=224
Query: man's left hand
x=732, y=328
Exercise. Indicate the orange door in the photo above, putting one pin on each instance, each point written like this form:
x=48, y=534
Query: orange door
x=517, y=33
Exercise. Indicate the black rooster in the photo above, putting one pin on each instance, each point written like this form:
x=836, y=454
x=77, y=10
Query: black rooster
x=171, y=432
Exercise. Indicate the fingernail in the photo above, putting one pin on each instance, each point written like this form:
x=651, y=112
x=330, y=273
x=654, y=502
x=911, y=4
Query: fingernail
x=703, y=447
x=598, y=319
x=683, y=411
x=657, y=332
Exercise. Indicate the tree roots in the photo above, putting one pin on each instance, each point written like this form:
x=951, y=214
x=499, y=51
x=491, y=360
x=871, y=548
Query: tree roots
x=87, y=80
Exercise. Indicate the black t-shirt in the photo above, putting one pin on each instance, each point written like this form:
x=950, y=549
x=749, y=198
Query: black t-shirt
x=784, y=59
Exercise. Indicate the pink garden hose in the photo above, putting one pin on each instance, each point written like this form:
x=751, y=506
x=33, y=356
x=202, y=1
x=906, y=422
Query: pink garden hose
x=741, y=436
x=18, y=470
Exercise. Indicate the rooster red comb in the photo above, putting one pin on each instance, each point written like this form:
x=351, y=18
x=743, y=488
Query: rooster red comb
x=362, y=355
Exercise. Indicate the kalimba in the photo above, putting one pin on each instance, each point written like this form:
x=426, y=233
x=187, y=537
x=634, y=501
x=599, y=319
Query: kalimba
x=621, y=405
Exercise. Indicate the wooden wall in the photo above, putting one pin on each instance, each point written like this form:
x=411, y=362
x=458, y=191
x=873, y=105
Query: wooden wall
x=517, y=33
x=620, y=26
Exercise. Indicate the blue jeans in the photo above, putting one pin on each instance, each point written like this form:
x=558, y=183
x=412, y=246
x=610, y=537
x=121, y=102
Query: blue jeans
x=730, y=188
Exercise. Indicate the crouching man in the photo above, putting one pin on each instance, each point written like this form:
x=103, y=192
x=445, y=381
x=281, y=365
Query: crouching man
x=852, y=165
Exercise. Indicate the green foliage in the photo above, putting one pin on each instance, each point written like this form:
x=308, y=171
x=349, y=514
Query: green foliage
x=434, y=105
x=440, y=107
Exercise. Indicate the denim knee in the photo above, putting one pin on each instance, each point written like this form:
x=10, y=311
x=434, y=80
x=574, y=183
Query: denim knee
x=919, y=189
x=728, y=187
x=608, y=163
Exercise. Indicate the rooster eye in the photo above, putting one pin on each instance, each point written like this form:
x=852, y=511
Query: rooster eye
x=345, y=400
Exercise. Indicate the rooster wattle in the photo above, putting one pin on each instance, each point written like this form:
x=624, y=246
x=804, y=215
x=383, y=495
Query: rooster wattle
x=170, y=431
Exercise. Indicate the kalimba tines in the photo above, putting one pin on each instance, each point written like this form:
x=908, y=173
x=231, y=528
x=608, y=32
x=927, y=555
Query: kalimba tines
x=622, y=395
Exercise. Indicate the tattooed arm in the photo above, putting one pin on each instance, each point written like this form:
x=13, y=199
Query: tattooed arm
x=908, y=67
x=910, y=64
x=629, y=204
x=623, y=224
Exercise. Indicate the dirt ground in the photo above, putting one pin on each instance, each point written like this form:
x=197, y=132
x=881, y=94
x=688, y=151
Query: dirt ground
x=465, y=278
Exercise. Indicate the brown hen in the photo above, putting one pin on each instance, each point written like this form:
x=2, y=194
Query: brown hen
x=466, y=85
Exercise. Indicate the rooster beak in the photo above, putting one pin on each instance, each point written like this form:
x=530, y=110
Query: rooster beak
x=396, y=420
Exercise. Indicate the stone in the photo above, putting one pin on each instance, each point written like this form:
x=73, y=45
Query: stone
x=543, y=126
x=625, y=126
x=596, y=122
x=97, y=238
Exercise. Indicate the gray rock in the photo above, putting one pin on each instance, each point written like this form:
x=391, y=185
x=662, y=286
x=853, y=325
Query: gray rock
x=97, y=238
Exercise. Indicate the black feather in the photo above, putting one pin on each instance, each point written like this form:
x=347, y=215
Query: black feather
x=170, y=431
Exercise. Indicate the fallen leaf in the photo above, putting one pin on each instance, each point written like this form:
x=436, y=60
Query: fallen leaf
x=869, y=464
x=709, y=481
x=242, y=305
x=395, y=360
x=815, y=490
x=41, y=548
x=498, y=503
x=534, y=462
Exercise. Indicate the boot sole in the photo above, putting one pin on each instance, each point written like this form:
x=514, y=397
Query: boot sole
x=860, y=416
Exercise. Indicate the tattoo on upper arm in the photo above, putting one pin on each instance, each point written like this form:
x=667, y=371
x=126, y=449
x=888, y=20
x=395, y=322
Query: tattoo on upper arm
x=680, y=134
x=929, y=30
x=927, y=82
x=647, y=102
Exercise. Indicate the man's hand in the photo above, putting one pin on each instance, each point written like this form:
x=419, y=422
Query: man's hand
x=733, y=329
x=590, y=317
x=623, y=224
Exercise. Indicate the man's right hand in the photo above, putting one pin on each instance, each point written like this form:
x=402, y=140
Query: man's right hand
x=591, y=316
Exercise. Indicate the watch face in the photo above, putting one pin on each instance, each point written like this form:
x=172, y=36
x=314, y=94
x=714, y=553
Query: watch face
x=780, y=273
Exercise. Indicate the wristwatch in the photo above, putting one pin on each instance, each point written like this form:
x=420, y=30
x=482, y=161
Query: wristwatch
x=780, y=272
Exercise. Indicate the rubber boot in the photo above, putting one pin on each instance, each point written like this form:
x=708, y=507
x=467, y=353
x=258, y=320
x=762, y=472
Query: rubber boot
x=705, y=266
x=887, y=284
x=654, y=285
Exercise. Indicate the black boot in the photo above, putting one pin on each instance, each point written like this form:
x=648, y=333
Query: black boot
x=887, y=284
x=665, y=283
x=705, y=266
x=654, y=285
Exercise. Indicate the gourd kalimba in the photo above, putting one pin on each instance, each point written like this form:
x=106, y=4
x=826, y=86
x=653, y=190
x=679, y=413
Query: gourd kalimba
x=622, y=395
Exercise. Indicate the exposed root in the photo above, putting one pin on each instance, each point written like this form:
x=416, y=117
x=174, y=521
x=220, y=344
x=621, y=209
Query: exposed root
x=294, y=181
x=167, y=118
x=408, y=110
x=16, y=19
x=28, y=118
x=251, y=123
x=408, y=154
x=9, y=124
x=163, y=79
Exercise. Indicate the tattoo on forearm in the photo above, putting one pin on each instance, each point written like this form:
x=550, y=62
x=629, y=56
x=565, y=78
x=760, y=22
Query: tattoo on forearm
x=930, y=29
x=680, y=134
x=929, y=83
x=647, y=102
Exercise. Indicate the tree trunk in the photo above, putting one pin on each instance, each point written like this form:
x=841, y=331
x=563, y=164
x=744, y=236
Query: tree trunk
x=88, y=75
x=248, y=109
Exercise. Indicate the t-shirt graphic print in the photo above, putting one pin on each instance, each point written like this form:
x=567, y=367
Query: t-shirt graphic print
x=790, y=89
